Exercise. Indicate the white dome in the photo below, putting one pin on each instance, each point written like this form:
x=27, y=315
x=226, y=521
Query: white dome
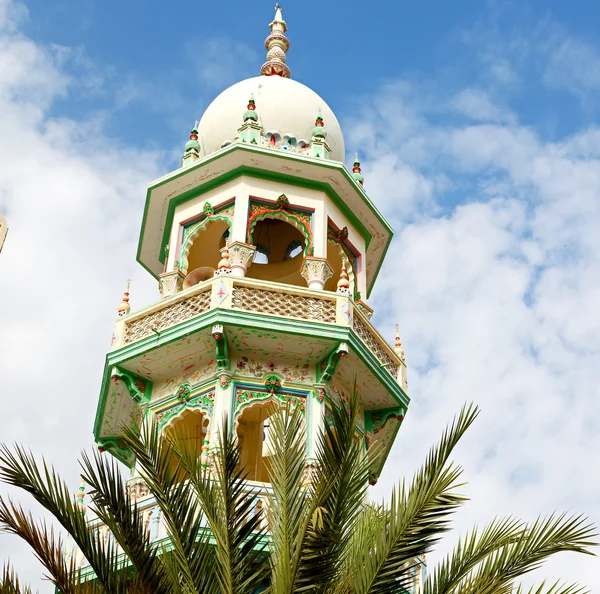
x=283, y=105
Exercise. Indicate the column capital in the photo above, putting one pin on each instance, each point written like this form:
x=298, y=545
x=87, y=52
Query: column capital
x=240, y=257
x=170, y=283
x=316, y=272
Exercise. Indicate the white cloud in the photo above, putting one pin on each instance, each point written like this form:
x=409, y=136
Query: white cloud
x=73, y=201
x=497, y=303
x=497, y=298
x=477, y=105
x=221, y=62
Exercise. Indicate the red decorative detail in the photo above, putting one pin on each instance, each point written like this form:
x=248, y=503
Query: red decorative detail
x=272, y=140
x=218, y=336
x=251, y=105
x=257, y=212
x=193, y=136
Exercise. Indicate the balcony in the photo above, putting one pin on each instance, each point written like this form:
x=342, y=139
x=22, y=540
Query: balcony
x=271, y=299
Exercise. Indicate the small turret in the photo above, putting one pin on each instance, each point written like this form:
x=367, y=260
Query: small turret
x=318, y=144
x=124, y=307
x=356, y=171
x=251, y=130
x=398, y=345
x=80, y=497
x=192, y=148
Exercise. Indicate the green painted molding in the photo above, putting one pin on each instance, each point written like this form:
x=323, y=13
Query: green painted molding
x=328, y=366
x=377, y=417
x=139, y=388
x=267, y=175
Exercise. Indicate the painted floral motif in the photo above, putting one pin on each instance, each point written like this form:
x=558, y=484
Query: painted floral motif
x=183, y=392
x=319, y=394
x=283, y=202
x=208, y=209
x=224, y=380
x=300, y=220
x=272, y=383
x=245, y=397
x=257, y=368
x=204, y=401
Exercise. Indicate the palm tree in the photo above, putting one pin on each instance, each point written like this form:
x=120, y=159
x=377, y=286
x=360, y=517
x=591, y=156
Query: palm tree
x=322, y=537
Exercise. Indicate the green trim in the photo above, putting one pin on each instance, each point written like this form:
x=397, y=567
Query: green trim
x=327, y=367
x=139, y=388
x=266, y=322
x=268, y=175
x=385, y=413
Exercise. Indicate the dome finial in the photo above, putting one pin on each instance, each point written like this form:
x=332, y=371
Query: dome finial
x=277, y=44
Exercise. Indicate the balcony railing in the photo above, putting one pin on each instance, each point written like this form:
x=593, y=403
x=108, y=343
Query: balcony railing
x=265, y=297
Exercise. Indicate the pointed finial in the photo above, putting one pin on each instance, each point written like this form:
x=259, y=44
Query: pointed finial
x=319, y=130
x=80, y=497
x=192, y=147
x=192, y=143
x=343, y=285
x=224, y=265
x=356, y=171
x=124, y=307
x=277, y=45
x=250, y=113
x=398, y=345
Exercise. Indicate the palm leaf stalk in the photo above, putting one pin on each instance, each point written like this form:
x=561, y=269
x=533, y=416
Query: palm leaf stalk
x=323, y=537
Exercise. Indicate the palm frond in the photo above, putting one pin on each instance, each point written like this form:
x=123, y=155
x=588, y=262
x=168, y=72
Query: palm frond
x=167, y=480
x=20, y=469
x=9, y=582
x=556, y=588
x=288, y=510
x=230, y=507
x=537, y=542
x=471, y=550
x=112, y=504
x=416, y=516
x=336, y=497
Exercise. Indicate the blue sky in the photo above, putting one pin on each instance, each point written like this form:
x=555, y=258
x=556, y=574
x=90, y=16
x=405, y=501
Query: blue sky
x=477, y=128
x=145, y=63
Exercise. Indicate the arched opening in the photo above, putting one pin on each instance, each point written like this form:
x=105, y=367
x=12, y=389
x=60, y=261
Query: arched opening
x=335, y=256
x=256, y=439
x=188, y=432
x=208, y=240
x=279, y=252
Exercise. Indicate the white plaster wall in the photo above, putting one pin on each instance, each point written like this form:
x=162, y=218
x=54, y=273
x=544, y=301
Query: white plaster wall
x=243, y=189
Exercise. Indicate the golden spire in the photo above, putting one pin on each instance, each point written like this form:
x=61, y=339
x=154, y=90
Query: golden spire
x=277, y=45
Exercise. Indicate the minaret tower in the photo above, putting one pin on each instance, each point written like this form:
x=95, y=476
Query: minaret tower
x=264, y=245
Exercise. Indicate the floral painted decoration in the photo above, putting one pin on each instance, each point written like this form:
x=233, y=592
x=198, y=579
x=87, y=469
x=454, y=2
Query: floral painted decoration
x=272, y=383
x=183, y=393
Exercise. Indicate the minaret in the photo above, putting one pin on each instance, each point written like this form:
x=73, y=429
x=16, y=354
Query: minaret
x=265, y=247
